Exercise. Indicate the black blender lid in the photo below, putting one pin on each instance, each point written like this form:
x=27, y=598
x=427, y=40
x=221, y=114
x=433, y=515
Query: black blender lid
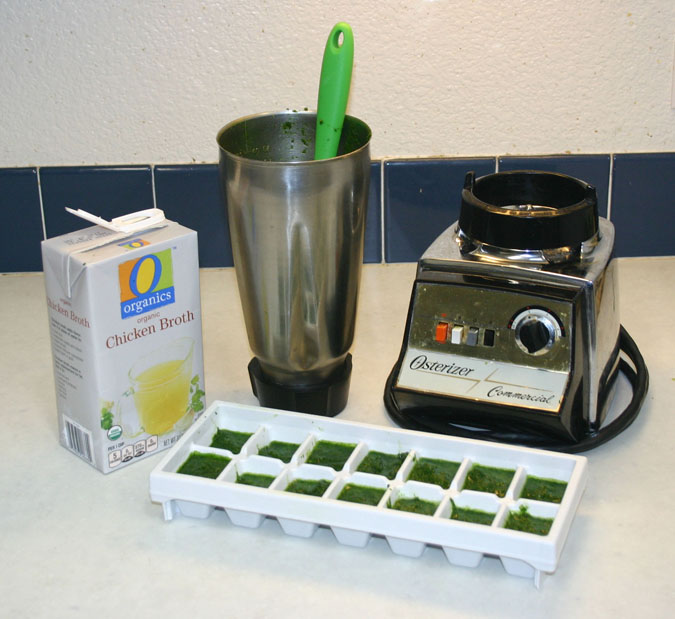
x=528, y=209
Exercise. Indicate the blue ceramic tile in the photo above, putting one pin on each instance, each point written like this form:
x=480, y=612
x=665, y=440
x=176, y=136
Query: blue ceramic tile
x=592, y=169
x=422, y=198
x=643, y=203
x=373, y=242
x=106, y=191
x=191, y=195
x=21, y=229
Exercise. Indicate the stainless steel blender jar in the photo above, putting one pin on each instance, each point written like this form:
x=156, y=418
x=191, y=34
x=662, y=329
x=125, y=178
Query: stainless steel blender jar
x=297, y=232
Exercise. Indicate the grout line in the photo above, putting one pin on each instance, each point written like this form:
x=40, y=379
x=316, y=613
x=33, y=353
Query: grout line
x=42, y=208
x=609, y=187
x=382, y=234
x=152, y=182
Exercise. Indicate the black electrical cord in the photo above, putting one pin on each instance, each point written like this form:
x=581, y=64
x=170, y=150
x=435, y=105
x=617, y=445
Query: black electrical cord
x=637, y=376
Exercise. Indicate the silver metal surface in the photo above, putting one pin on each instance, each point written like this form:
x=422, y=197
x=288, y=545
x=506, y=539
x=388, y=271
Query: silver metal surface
x=297, y=232
x=590, y=275
x=492, y=253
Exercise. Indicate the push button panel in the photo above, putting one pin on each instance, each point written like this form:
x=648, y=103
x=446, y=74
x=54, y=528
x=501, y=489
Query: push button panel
x=463, y=334
x=492, y=324
x=441, y=331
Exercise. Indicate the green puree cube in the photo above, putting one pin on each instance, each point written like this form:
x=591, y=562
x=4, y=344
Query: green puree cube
x=255, y=479
x=203, y=465
x=432, y=471
x=313, y=487
x=279, y=449
x=328, y=453
x=489, y=479
x=416, y=506
x=522, y=520
x=466, y=514
x=550, y=490
x=230, y=440
x=380, y=463
x=365, y=495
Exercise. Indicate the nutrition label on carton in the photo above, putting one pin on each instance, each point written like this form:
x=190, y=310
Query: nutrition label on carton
x=67, y=354
x=135, y=450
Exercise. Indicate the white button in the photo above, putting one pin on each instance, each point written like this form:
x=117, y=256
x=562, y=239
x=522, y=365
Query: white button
x=456, y=334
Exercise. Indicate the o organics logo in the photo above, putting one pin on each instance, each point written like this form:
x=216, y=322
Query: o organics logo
x=134, y=244
x=146, y=283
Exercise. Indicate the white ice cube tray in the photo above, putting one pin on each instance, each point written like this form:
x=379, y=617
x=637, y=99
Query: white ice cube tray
x=522, y=554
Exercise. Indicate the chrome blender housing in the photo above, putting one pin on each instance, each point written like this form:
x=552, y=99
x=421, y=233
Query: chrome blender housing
x=534, y=236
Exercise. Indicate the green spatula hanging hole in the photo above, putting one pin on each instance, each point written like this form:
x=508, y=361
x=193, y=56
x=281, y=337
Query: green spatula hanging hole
x=336, y=77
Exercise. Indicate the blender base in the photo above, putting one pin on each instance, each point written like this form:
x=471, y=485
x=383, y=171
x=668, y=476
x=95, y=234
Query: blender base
x=327, y=398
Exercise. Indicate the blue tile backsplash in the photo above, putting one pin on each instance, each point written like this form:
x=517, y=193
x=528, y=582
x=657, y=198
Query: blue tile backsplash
x=106, y=191
x=593, y=169
x=21, y=228
x=422, y=198
x=414, y=199
x=191, y=195
x=643, y=204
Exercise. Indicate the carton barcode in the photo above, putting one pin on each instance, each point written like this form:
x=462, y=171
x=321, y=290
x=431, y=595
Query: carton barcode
x=79, y=440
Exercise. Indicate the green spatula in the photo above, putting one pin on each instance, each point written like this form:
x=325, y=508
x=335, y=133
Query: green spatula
x=336, y=77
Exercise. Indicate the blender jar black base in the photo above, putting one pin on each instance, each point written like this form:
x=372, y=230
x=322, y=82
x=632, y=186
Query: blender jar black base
x=327, y=398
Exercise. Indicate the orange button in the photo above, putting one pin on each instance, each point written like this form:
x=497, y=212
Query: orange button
x=441, y=331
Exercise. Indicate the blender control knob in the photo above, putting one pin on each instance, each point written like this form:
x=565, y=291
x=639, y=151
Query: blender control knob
x=536, y=331
x=534, y=335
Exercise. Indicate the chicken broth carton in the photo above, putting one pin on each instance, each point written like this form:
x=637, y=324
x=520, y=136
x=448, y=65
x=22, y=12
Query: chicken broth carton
x=125, y=324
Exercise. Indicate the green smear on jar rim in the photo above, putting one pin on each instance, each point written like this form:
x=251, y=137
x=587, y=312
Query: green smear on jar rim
x=203, y=465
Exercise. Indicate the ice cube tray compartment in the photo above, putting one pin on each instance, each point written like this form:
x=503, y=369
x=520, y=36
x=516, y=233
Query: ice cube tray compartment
x=464, y=542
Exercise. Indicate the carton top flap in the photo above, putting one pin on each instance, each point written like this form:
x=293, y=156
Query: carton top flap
x=129, y=223
x=69, y=255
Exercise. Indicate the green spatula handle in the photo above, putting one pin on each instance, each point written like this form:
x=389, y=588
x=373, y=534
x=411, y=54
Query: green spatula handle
x=336, y=77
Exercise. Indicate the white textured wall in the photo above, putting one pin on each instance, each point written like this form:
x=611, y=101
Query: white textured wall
x=152, y=81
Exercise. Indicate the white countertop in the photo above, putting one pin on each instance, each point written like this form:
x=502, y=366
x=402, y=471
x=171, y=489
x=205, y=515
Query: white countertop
x=77, y=543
